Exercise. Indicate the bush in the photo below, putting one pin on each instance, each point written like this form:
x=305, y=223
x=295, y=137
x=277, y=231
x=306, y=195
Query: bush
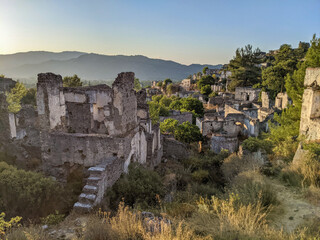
x=254, y=144
x=27, y=194
x=250, y=191
x=127, y=224
x=139, y=187
x=291, y=177
x=200, y=176
x=187, y=132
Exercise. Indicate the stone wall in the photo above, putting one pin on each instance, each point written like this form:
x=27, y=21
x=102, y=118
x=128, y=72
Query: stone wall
x=282, y=101
x=310, y=111
x=247, y=94
x=174, y=149
x=181, y=117
x=220, y=142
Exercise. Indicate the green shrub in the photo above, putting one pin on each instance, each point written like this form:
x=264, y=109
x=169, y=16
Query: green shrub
x=53, y=219
x=291, y=177
x=139, y=187
x=251, y=191
x=254, y=144
x=200, y=176
x=28, y=194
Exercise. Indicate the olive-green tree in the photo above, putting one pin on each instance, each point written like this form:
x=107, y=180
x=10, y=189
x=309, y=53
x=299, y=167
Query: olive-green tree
x=73, y=81
x=14, y=97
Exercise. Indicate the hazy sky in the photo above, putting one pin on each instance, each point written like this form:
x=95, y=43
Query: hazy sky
x=198, y=31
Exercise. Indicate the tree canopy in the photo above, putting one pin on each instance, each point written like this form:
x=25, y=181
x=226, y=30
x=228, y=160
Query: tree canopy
x=245, y=67
x=14, y=97
x=73, y=81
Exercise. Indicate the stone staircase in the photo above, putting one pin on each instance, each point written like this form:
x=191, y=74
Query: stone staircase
x=98, y=181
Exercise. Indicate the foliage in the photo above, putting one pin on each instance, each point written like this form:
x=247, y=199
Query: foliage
x=310, y=167
x=137, y=85
x=188, y=133
x=30, y=97
x=285, y=128
x=200, y=176
x=27, y=193
x=274, y=76
x=244, y=67
x=254, y=144
x=206, y=90
x=14, y=97
x=160, y=106
x=139, y=187
x=167, y=81
x=235, y=216
x=7, y=225
x=128, y=224
x=169, y=126
x=73, y=81
x=205, y=80
x=53, y=219
x=204, y=70
x=213, y=94
x=294, y=82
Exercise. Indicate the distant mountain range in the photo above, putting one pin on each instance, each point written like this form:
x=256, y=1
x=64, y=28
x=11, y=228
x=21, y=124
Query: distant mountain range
x=90, y=66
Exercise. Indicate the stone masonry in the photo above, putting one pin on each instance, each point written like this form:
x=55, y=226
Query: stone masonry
x=99, y=127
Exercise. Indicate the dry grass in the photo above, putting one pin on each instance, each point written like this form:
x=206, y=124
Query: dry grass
x=127, y=224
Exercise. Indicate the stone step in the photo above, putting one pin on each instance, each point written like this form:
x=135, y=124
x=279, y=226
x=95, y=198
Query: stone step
x=89, y=189
x=87, y=198
x=97, y=169
x=82, y=207
x=93, y=180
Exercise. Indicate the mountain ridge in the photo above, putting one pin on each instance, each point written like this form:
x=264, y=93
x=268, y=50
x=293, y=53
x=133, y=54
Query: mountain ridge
x=92, y=66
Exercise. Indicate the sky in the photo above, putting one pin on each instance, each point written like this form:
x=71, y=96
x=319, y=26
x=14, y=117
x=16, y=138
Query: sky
x=198, y=31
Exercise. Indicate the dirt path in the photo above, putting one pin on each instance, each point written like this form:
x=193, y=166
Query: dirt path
x=296, y=209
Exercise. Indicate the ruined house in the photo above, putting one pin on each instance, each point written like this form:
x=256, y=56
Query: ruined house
x=101, y=128
x=247, y=94
x=181, y=117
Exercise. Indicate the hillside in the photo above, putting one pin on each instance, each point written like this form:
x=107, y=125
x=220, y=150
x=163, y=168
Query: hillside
x=93, y=66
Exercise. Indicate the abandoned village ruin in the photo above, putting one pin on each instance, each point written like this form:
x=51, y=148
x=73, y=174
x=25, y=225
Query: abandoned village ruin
x=103, y=129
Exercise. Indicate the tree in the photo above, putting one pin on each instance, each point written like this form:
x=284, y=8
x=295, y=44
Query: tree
x=137, y=85
x=167, y=81
x=169, y=126
x=284, y=132
x=245, y=67
x=2, y=76
x=204, y=70
x=294, y=82
x=187, y=132
x=165, y=101
x=14, y=97
x=159, y=84
x=206, y=90
x=206, y=80
x=30, y=97
x=193, y=105
x=73, y=81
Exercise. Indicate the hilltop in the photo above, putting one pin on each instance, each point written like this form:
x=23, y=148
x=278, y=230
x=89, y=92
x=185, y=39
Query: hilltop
x=91, y=66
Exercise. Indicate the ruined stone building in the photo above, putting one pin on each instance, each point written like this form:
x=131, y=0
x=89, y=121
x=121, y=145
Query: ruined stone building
x=101, y=128
x=310, y=112
x=181, y=117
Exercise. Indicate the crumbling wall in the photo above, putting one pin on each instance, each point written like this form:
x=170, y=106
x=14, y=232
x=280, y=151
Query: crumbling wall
x=124, y=103
x=247, y=94
x=182, y=117
x=310, y=111
x=50, y=100
x=220, y=142
x=174, y=149
x=281, y=101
